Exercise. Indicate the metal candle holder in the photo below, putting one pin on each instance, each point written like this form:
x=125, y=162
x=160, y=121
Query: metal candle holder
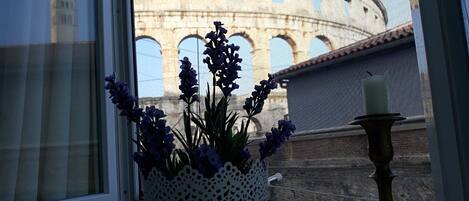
x=378, y=129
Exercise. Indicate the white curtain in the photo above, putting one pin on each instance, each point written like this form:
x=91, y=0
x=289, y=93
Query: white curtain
x=49, y=117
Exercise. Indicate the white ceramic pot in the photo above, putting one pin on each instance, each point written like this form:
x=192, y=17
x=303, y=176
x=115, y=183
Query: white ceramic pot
x=228, y=184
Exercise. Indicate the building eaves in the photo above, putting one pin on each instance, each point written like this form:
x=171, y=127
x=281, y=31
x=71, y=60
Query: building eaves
x=373, y=42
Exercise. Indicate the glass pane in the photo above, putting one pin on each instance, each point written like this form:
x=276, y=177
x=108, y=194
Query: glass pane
x=274, y=47
x=465, y=10
x=49, y=123
x=327, y=47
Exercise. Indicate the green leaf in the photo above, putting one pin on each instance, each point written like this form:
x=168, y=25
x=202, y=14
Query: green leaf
x=181, y=139
x=187, y=128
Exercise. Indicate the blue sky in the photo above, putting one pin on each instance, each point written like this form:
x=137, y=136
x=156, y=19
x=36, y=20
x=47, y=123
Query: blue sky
x=149, y=57
x=149, y=62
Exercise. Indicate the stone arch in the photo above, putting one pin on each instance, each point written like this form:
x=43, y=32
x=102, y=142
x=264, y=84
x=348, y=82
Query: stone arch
x=246, y=81
x=347, y=7
x=246, y=36
x=192, y=46
x=255, y=127
x=149, y=67
x=282, y=52
x=326, y=41
x=318, y=46
x=192, y=36
x=298, y=20
x=289, y=40
x=147, y=37
x=257, y=123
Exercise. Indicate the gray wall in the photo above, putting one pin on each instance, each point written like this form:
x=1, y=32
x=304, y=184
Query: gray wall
x=332, y=95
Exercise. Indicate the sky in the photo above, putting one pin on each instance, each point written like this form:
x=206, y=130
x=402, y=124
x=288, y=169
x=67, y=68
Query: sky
x=398, y=12
x=149, y=58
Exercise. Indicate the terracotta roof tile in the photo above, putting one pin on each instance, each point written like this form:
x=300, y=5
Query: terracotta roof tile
x=397, y=33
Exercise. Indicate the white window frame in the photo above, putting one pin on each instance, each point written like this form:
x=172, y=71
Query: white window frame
x=443, y=63
x=106, y=59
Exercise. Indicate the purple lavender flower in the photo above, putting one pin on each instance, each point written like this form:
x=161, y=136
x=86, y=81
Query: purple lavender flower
x=254, y=104
x=229, y=71
x=222, y=59
x=276, y=138
x=156, y=136
x=189, y=86
x=207, y=160
x=215, y=48
x=121, y=97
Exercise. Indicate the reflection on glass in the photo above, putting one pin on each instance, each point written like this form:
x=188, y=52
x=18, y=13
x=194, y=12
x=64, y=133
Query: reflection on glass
x=49, y=123
x=465, y=10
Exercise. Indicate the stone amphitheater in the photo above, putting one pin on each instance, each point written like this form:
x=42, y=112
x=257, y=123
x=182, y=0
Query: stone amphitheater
x=336, y=22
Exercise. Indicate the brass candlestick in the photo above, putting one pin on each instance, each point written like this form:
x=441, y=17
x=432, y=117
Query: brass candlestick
x=378, y=129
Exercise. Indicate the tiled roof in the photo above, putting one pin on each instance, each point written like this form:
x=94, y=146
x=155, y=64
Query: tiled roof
x=389, y=36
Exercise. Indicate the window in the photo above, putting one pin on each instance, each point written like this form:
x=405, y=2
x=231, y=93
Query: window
x=347, y=5
x=57, y=137
x=59, y=131
x=317, y=5
x=291, y=35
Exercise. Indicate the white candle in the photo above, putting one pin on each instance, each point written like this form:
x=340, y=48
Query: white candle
x=375, y=94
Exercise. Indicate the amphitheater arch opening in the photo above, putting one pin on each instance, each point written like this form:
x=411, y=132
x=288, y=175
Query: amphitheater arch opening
x=244, y=36
x=347, y=6
x=281, y=53
x=319, y=45
x=197, y=36
x=148, y=38
x=317, y=5
x=246, y=80
x=150, y=77
x=255, y=127
x=289, y=40
x=193, y=47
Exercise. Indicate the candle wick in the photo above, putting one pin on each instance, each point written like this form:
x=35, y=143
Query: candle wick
x=369, y=73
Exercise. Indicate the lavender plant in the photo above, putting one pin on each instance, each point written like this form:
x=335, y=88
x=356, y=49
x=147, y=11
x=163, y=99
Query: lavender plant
x=214, y=141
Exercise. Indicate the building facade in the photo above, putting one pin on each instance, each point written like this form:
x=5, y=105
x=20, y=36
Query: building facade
x=327, y=159
x=332, y=82
x=169, y=22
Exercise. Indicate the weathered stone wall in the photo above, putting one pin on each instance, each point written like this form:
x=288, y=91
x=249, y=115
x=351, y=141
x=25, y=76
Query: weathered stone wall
x=275, y=109
x=333, y=164
x=170, y=21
